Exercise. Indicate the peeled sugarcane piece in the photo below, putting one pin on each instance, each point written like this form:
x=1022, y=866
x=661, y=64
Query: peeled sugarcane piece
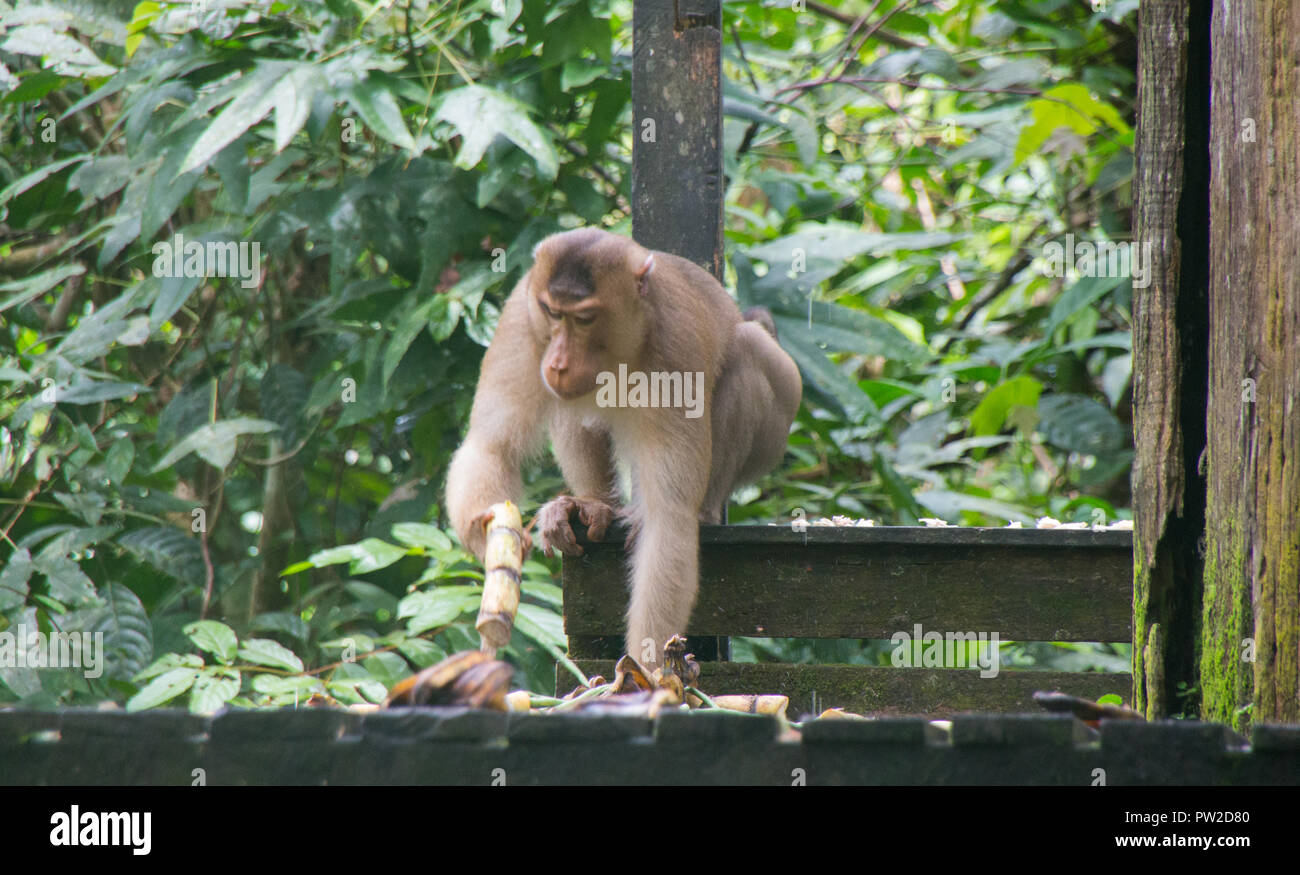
x=469, y=677
x=754, y=704
x=503, y=560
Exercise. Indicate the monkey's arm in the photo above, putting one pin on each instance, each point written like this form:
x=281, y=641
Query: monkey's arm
x=505, y=425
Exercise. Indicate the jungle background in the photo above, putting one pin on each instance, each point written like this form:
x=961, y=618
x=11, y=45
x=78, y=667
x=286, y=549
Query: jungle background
x=239, y=485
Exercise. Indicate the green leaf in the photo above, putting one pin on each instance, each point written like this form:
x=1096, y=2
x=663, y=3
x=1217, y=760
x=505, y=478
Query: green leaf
x=1073, y=300
x=213, y=688
x=117, y=462
x=480, y=114
x=1069, y=106
x=23, y=183
x=421, y=653
x=1079, y=424
x=14, y=576
x=67, y=582
x=128, y=634
x=214, y=637
x=163, y=689
x=173, y=292
x=404, y=334
x=302, y=687
x=91, y=392
x=549, y=593
x=547, y=629
x=421, y=535
x=543, y=625
x=20, y=292
x=292, y=96
x=215, y=442
x=369, y=555
x=254, y=96
x=167, y=549
x=264, y=651
x=167, y=662
x=375, y=103
x=436, y=607
x=991, y=413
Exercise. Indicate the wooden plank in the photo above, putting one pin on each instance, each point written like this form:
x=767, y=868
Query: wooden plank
x=840, y=582
x=677, y=180
x=884, y=690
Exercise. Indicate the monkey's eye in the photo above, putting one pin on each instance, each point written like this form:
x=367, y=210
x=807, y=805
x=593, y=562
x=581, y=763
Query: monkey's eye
x=547, y=311
x=585, y=319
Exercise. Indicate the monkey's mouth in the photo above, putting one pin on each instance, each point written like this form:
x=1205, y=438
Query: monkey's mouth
x=567, y=388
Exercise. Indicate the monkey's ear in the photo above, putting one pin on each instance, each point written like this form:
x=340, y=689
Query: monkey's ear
x=643, y=274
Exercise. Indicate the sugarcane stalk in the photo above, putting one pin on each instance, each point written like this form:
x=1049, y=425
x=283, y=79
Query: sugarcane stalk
x=503, y=560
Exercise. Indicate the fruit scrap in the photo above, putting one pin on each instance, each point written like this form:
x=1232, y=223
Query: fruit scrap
x=754, y=704
x=1088, y=711
x=470, y=678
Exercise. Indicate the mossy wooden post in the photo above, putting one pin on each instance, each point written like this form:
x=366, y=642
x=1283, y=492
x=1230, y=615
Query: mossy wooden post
x=1216, y=362
x=1252, y=559
x=1170, y=364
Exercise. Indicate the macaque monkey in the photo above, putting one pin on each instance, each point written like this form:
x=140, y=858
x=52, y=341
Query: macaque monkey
x=597, y=309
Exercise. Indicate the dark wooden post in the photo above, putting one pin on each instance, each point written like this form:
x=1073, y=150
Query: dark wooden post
x=1170, y=361
x=677, y=183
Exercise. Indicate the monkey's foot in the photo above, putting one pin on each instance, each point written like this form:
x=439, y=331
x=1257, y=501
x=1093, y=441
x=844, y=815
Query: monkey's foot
x=556, y=532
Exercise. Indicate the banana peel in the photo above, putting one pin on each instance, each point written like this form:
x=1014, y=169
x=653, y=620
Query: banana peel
x=471, y=678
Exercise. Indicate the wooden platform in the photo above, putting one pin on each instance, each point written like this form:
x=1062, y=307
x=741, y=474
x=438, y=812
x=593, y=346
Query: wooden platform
x=456, y=746
x=874, y=582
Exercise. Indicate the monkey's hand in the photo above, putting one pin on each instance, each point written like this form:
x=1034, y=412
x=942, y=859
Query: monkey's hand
x=479, y=525
x=555, y=530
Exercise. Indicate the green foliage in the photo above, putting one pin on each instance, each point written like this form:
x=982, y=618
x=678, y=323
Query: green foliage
x=171, y=442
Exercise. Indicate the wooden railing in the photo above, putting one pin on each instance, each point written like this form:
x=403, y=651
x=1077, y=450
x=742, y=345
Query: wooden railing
x=872, y=583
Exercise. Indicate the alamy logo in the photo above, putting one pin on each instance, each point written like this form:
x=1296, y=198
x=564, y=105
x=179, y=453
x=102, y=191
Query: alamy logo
x=656, y=389
x=215, y=258
x=1102, y=258
x=34, y=649
x=953, y=650
x=112, y=828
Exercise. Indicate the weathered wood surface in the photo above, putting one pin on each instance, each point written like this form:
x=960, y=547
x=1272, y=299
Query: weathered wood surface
x=885, y=690
x=321, y=746
x=1252, y=559
x=1170, y=344
x=677, y=179
x=840, y=582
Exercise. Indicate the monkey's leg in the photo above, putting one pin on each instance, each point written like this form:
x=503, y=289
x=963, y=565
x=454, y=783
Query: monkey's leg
x=671, y=475
x=755, y=400
x=586, y=457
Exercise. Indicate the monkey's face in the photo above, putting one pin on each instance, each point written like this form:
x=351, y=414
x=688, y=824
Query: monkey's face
x=575, y=354
x=587, y=290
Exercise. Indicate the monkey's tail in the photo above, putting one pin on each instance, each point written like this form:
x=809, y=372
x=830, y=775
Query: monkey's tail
x=762, y=316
